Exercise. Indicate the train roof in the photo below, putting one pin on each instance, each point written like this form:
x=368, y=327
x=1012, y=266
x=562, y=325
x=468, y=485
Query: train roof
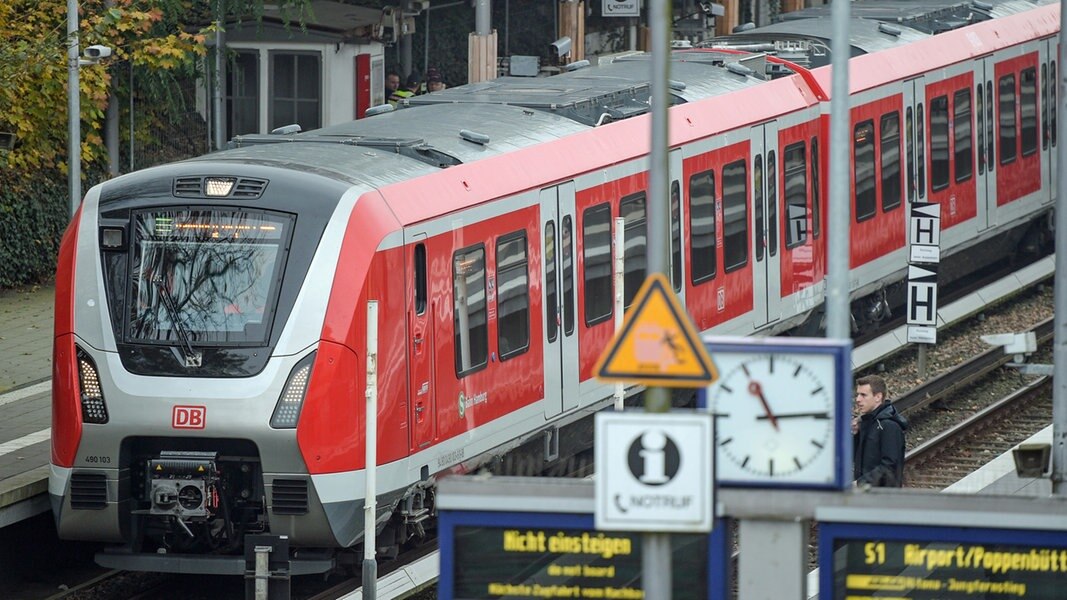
x=927, y=16
x=618, y=89
x=806, y=42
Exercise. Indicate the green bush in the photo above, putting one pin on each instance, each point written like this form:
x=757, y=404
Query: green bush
x=33, y=215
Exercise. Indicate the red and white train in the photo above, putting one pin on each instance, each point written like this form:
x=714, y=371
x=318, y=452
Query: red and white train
x=210, y=328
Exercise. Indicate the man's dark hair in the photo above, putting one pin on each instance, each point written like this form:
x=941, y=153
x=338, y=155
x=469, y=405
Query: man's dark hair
x=877, y=385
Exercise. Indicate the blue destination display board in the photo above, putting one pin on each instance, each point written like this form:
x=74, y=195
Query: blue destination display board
x=509, y=555
x=940, y=563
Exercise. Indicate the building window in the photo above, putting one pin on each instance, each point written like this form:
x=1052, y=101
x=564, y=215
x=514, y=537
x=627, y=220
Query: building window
x=635, y=241
x=242, y=94
x=939, y=143
x=1028, y=110
x=734, y=216
x=596, y=255
x=468, y=303
x=702, y=226
x=512, y=295
x=961, y=125
x=296, y=90
x=1006, y=88
x=796, y=195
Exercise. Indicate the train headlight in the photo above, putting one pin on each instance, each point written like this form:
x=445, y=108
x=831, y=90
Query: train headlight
x=287, y=411
x=94, y=409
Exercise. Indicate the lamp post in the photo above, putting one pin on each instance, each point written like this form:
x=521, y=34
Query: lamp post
x=74, y=134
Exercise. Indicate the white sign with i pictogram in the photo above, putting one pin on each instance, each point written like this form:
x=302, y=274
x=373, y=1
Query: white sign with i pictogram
x=654, y=472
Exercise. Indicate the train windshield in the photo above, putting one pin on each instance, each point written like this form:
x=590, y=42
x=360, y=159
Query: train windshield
x=206, y=276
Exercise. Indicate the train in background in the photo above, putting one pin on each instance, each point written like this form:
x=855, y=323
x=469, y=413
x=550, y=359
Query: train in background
x=210, y=324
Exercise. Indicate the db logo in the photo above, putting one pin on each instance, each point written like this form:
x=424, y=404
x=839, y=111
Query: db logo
x=188, y=417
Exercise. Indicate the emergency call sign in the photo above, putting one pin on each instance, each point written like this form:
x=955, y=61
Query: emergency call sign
x=940, y=563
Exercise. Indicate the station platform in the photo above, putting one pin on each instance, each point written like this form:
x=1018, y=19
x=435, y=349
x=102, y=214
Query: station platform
x=25, y=401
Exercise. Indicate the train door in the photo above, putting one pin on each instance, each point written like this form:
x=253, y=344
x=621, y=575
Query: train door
x=1049, y=85
x=423, y=417
x=986, y=188
x=767, y=281
x=915, y=138
x=560, y=301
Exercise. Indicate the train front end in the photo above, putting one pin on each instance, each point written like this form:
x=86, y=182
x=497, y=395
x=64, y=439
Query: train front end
x=188, y=313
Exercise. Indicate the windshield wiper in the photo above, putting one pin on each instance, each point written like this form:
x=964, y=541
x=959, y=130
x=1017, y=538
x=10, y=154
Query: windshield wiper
x=191, y=356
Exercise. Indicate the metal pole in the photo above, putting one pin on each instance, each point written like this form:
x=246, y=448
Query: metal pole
x=220, y=54
x=131, y=117
x=620, y=283
x=74, y=133
x=426, y=48
x=111, y=121
x=370, y=505
x=656, y=547
x=483, y=17
x=1059, y=353
x=837, y=309
x=262, y=572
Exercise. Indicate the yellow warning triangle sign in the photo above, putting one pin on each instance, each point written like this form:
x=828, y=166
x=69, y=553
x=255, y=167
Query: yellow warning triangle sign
x=657, y=344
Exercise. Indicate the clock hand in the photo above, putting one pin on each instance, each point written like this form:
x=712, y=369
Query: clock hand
x=757, y=391
x=813, y=415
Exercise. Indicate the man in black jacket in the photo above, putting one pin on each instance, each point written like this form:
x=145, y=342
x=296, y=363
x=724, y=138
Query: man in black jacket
x=878, y=436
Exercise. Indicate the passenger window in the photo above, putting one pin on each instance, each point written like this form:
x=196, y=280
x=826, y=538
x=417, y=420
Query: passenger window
x=420, y=278
x=772, y=205
x=909, y=153
x=863, y=153
x=676, y=237
x=1053, y=92
x=890, y=149
x=551, y=287
x=596, y=256
x=757, y=200
x=1008, y=145
x=1044, y=106
x=979, y=112
x=795, y=195
x=702, y=226
x=961, y=124
x=920, y=144
x=567, y=239
x=635, y=238
x=512, y=295
x=816, y=208
x=734, y=216
x=989, y=127
x=471, y=343
x=939, y=143
x=1028, y=110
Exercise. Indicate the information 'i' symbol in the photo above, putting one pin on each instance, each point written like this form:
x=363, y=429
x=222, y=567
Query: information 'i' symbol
x=653, y=458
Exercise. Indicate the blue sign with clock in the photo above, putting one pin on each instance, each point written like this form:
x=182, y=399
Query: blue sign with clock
x=783, y=411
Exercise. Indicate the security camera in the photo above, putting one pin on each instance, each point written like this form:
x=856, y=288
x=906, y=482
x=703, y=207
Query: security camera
x=97, y=52
x=562, y=46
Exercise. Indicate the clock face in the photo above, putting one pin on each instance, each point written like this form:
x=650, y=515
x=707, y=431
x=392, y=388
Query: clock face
x=775, y=416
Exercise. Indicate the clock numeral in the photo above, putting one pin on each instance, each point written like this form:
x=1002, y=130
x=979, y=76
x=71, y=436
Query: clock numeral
x=796, y=461
x=745, y=462
x=797, y=372
x=816, y=443
x=770, y=467
x=727, y=389
x=816, y=390
x=744, y=368
x=771, y=364
x=726, y=441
